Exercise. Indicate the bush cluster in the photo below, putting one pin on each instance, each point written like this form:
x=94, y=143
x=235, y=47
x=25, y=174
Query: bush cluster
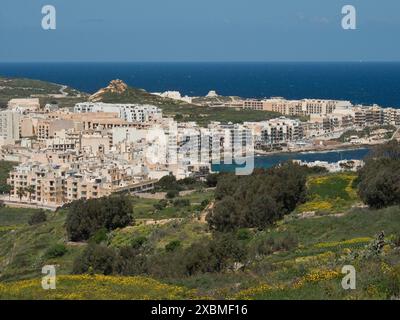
x=379, y=180
x=86, y=217
x=259, y=200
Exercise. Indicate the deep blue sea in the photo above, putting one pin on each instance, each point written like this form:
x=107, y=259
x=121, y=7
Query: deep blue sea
x=272, y=160
x=362, y=82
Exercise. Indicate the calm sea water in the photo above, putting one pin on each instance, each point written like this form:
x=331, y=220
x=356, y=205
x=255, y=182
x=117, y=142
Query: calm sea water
x=365, y=83
x=272, y=160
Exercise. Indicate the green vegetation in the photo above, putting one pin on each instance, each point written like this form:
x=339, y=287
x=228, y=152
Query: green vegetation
x=330, y=193
x=294, y=260
x=5, y=168
x=86, y=287
x=259, y=200
x=379, y=180
x=171, y=251
x=86, y=217
x=55, y=251
x=24, y=249
x=187, y=205
x=367, y=132
x=11, y=88
x=37, y=218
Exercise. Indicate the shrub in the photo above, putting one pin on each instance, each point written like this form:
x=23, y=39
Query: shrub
x=243, y=234
x=212, y=180
x=138, y=242
x=57, y=250
x=37, y=218
x=378, y=181
x=204, y=204
x=173, y=245
x=85, y=218
x=99, y=236
x=97, y=259
x=259, y=200
x=168, y=183
x=130, y=261
x=181, y=203
x=172, y=194
x=162, y=204
x=213, y=255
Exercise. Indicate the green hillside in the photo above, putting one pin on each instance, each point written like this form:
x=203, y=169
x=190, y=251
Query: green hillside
x=300, y=258
x=11, y=88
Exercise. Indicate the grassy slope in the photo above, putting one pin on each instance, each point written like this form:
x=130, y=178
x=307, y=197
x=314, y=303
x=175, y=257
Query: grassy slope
x=144, y=208
x=310, y=271
x=23, y=247
x=332, y=193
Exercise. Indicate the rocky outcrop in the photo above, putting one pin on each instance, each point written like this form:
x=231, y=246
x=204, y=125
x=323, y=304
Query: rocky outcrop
x=115, y=86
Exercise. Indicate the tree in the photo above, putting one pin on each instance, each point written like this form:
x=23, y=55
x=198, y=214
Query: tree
x=223, y=217
x=5, y=188
x=30, y=190
x=212, y=180
x=21, y=193
x=172, y=194
x=85, y=218
x=259, y=200
x=168, y=183
x=379, y=180
x=97, y=259
x=56, y=251
x=37, y=218
x=173, y=245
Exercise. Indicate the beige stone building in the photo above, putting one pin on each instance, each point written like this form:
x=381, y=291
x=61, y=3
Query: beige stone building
x=24, y=105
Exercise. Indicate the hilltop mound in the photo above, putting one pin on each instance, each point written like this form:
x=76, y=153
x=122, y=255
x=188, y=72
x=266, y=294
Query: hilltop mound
x=119, y=92
x=115, y=87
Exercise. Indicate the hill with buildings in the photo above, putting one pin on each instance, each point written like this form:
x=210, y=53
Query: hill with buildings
x=118, y=92
x=47, y=92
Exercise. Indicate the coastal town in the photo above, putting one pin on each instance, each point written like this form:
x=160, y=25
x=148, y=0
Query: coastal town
x=94, y=149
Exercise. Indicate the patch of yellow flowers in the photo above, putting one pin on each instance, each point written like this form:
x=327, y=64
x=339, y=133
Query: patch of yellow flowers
x=79, y=287
x=312, y=277
x=316, y=205
x=250, y=293
x=342, y=243
x=322, y=258
x=316, y=276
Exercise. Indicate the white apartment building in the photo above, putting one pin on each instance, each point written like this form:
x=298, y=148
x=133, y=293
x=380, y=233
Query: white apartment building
x=303, y=107
x=276, y=131
x=127, y=112
x=9, y=126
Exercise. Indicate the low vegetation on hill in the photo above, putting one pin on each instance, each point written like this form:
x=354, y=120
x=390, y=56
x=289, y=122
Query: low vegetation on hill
x=169, y=250
x=368, y=132
x=11, y=88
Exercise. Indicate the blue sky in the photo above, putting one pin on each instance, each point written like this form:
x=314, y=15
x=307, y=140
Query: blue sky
x=199, y=30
